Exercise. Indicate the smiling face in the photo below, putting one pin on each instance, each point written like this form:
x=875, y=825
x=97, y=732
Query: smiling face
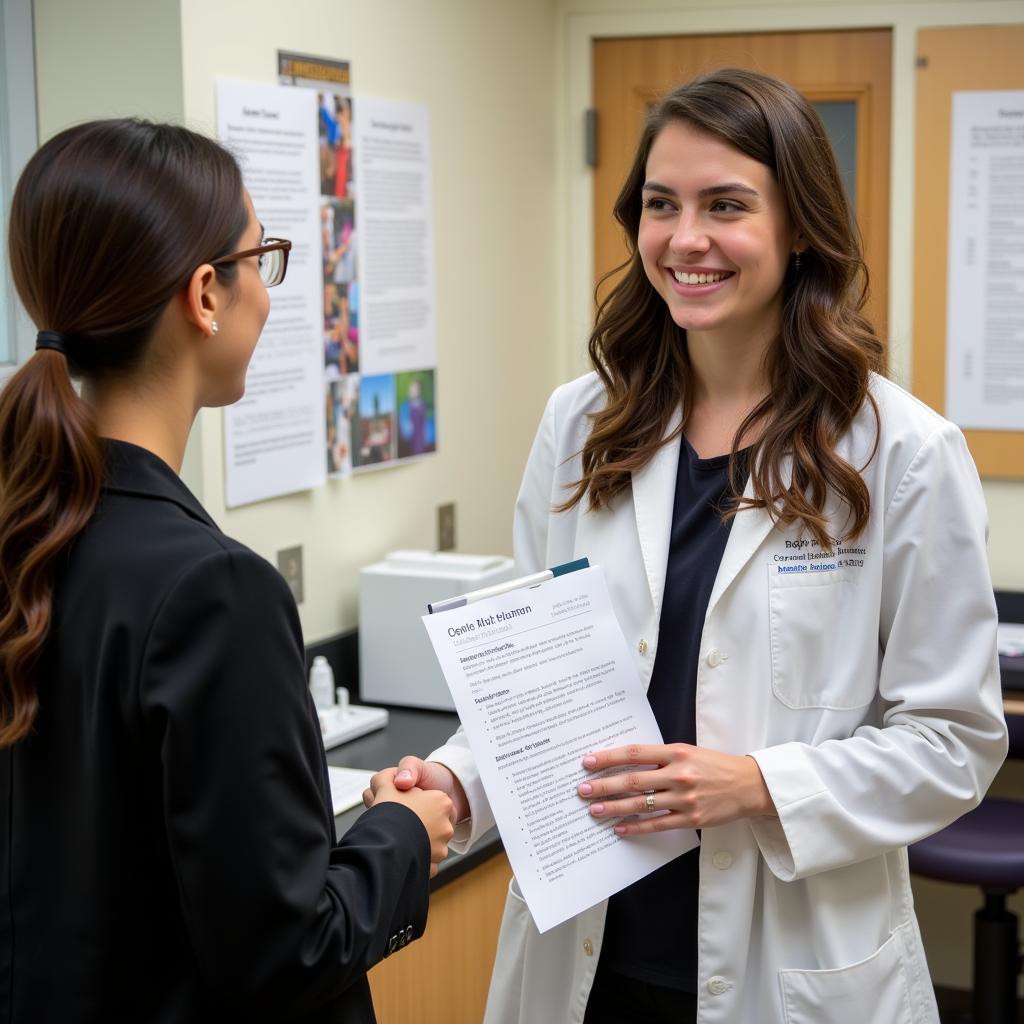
x=714, y=238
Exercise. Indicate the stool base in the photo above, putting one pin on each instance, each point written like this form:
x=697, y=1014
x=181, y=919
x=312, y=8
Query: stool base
x=997, y=962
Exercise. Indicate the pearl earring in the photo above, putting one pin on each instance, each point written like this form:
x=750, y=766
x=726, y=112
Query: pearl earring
x=214, y=328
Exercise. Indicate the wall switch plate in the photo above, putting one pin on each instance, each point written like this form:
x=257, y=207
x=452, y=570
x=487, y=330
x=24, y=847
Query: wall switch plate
x=289, y=564
x=446, y=527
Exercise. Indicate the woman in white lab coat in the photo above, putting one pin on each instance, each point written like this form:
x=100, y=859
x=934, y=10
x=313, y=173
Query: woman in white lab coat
x=795, y=548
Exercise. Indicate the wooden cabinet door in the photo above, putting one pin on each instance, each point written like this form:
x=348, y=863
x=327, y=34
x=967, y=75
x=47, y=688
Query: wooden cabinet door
x=443, y=978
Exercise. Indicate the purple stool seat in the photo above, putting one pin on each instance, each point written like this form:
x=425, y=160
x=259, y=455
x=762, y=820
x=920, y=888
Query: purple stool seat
x=985, y=848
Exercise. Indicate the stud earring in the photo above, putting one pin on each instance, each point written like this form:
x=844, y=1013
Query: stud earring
x=214, y=328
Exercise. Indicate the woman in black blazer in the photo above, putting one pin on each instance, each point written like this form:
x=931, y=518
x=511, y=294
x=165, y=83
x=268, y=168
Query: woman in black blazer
x=168, y=850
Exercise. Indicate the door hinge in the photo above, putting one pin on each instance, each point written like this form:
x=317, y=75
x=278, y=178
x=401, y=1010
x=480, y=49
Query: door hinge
x=590, y=137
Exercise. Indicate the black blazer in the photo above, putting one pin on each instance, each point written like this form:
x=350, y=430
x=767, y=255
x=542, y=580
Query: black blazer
x=169, y=851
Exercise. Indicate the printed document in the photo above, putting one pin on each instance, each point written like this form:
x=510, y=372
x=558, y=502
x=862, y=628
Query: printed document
x=985, y=293
x=541, y=677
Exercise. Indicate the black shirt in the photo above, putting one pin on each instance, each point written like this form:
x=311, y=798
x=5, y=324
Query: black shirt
x=651, y=929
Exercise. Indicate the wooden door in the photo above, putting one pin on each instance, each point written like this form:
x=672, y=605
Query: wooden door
x=843, y=72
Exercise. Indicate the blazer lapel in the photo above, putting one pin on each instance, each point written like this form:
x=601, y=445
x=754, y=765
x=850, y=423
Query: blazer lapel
x=134, y=470
x=654, y=488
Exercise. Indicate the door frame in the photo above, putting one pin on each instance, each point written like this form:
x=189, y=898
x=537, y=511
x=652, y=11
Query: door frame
x=579, y=30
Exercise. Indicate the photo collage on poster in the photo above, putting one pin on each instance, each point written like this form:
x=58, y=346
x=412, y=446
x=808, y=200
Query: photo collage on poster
x=341, y=283
x=370, y=419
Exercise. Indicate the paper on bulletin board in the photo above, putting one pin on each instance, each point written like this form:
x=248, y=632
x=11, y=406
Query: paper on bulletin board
x=397, y=245
x=985, y=291
x=274, y=436
x=398, y=345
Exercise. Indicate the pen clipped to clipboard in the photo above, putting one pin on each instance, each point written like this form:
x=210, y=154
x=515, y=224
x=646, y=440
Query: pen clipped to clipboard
x=522, y=583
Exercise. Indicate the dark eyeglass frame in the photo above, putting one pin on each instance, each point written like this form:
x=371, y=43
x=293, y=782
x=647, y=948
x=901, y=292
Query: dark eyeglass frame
x=269, y=245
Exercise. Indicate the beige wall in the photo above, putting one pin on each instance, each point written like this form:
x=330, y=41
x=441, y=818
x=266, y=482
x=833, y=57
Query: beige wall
x=107, y=58
x=486, y=70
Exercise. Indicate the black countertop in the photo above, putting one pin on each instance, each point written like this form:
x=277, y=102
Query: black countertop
x=409, y=731
x=1012, y=672
x=1010, y=605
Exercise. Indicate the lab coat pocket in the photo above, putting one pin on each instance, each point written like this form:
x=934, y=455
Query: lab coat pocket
x=515, y=892
x=517, y=920
x=873, y=990
x=811, y=667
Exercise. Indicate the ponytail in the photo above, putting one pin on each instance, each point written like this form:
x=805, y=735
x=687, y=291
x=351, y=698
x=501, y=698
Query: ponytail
x=51, y=470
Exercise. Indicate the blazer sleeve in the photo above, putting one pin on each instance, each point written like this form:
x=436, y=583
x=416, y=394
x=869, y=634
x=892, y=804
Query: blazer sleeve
x=942, y=735
x=277, y=914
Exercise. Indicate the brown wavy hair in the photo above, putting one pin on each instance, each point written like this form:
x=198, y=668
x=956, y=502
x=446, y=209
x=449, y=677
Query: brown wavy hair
x=108, y=222
x=819, y=365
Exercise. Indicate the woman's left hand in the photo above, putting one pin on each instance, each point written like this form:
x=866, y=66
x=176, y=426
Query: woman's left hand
x=699, y=788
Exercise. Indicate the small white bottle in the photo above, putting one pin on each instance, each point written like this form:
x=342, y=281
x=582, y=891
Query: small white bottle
x=342, y=695
x=321, y=682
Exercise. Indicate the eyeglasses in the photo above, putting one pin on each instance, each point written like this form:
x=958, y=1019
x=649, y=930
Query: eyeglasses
x=273, y=254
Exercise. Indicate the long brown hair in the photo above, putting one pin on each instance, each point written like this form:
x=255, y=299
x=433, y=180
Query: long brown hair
x=108, y=222
x=819, y=365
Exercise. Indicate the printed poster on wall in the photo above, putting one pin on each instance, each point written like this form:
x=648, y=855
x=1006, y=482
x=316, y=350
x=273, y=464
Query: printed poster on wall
x=396, y=256
x=379, y=353
x=274, y=437
x=985, y=312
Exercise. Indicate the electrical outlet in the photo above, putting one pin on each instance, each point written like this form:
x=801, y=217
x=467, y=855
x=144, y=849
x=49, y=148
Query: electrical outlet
x=289, y=564
x=446, y=527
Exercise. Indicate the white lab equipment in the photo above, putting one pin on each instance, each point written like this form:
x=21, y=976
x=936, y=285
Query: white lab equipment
x=339, y=724
x=396, y=662
x=321, y=682
x=341, y=721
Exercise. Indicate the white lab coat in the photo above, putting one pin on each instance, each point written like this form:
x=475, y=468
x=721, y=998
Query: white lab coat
x=865, y=683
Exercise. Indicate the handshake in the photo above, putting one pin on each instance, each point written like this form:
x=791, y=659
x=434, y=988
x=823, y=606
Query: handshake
x=431, y=792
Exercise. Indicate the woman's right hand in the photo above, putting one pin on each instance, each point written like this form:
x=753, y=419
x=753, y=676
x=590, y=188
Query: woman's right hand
x=431, y=806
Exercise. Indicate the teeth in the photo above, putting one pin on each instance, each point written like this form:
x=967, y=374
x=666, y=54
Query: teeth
x=684, y=278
